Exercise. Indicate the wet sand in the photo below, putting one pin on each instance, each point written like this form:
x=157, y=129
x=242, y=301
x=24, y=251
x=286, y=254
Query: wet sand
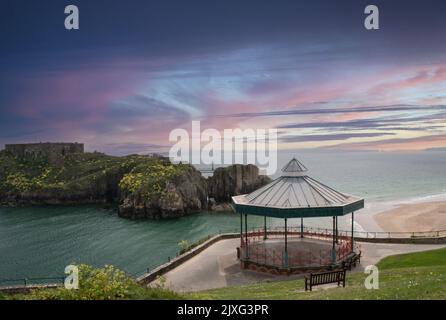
x=425, y=216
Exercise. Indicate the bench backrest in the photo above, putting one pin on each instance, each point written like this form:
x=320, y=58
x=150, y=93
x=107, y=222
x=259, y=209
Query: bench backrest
x=327, y=277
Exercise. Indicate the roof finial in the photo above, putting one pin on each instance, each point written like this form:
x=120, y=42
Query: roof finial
x=294, y=167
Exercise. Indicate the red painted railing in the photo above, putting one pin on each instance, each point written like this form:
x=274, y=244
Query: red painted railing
x=262, y=252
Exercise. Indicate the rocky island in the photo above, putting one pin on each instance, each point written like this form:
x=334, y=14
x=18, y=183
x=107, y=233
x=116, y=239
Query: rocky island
x=141, y=186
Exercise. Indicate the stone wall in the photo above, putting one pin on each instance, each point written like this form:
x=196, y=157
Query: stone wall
x=146, y=278
x=412, y=240
x=27, y=289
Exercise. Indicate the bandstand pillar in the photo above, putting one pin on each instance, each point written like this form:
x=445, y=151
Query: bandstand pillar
x=337, y=235
x=241, y=230
x=353, y=231
x=286, y=245
x=333, y=252
x=246, y=236
x=264, y=229
x=301, y=227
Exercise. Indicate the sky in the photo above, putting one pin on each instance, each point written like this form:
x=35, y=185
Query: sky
x=136, y=70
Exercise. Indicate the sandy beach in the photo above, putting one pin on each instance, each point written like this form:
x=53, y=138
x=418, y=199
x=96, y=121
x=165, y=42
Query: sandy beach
x=423, y=216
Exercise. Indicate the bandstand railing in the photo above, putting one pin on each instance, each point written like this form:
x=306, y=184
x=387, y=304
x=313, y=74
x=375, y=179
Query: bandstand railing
x=383, y=234
x=297, y=257
x=361, y=234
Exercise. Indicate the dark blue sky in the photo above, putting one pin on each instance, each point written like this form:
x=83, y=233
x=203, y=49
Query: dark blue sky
x=169, y=27
x=137, y=69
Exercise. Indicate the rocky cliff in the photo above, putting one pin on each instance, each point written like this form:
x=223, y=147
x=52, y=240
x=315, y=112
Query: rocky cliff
x=235, y=180
x=187, y=191
x=177, y=194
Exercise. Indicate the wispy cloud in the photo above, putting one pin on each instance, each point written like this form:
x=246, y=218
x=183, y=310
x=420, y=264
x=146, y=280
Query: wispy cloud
x=374, y=123
x=314, y=110
x=126, y=148
x=329, y=137
x=397, y=144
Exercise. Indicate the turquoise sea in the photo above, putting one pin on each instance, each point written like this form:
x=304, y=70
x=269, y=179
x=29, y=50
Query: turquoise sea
x=41, y=241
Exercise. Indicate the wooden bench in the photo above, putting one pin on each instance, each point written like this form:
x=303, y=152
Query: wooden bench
x=356, y=259
x=315, y=279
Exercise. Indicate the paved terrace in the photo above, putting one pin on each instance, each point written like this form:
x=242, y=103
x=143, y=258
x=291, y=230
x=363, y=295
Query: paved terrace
x=217, y=266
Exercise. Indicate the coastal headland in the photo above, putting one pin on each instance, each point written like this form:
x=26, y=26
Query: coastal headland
x=141, y=186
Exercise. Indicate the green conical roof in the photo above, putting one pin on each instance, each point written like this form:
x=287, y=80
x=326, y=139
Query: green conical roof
x=298, y=195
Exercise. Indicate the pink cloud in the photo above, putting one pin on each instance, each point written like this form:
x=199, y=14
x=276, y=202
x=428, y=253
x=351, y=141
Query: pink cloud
x=86, y=93
x=408, y=144
x=422, y=77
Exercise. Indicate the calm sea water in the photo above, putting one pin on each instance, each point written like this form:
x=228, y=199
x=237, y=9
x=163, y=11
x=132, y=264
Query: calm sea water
x=40, y=242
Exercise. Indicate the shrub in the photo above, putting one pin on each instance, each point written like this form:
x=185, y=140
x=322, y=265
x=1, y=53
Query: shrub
x=184, y=245
x=195, y=244
x=150, y=179
x=106, y=283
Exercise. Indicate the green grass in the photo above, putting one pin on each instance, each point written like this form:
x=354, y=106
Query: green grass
x=408, y=276
x=419, y=259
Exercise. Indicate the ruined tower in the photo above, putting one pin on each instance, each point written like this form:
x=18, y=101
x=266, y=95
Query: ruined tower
x=53, y=152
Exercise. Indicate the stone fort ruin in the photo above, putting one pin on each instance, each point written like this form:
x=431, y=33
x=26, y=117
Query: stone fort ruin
x=53, y=152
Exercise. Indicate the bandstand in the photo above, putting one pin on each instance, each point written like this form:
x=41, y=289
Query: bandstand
x=295, y=195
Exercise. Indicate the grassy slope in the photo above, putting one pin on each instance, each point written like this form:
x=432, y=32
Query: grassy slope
x=408, y=276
